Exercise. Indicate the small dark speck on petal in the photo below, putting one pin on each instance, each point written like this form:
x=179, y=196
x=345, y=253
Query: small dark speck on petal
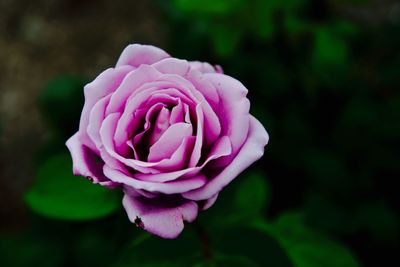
x=138, y=222
x=89, y=178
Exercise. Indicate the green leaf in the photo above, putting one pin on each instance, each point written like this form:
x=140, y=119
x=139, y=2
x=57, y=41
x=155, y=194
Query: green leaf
x=252, y=194
x=57, y=193
x=306, y=247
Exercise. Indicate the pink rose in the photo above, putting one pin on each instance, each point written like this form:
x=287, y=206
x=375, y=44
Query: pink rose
x=171, y=133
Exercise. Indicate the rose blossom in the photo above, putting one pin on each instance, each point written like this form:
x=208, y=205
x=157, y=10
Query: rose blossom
x=169, y=132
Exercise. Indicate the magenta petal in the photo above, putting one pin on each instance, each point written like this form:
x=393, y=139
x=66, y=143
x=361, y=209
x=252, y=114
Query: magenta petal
x=251, y=151
x=136, y=55
x=159, y=218
x=85, y=162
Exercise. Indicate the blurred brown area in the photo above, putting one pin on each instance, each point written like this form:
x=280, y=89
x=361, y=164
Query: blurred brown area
x=41, y=39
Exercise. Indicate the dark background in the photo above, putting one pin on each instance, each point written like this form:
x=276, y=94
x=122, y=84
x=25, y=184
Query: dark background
x=323, y=78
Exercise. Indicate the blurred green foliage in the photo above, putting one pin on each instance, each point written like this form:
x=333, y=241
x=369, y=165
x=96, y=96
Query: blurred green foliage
x=326, y=87
x=57, y=193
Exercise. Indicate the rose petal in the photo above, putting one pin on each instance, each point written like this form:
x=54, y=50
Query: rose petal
x=196, y=154
x=86, y=163
x=96, y=118
x=234, y=111
x=209, y=202
x=251, y=151
x=177, y=113
x=169, y=141
x=173, y=187
x=128, y=122
x=156, y=217
x=220, y=149
x=173, y=66
x=211, y=121
x=104, y=84
x=205, y=67
x=134, y=80
x=161, y=125
x=206, y=88
x=179, y=158
x=136, y=55
x=106, y=134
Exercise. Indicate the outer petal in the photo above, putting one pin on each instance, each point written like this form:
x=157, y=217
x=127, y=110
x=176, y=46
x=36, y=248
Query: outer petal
x=136, y=55
x=85, y=162
x=104, y=84
x=251, y=151
x=234, y=111
x=209, y=202
x=205, y=67
x=169, y=188
x=160, y=217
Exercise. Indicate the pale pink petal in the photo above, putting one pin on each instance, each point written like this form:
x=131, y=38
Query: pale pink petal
x=134, y=80
x=251, y=151
x=205, y=67
x=169, y=141
x=158, y=217
x=172, y=66
x=179, y=158
x=205, y=87
x=161, y=125
x=96, y=118
x=104, y=84
x=136, y=55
